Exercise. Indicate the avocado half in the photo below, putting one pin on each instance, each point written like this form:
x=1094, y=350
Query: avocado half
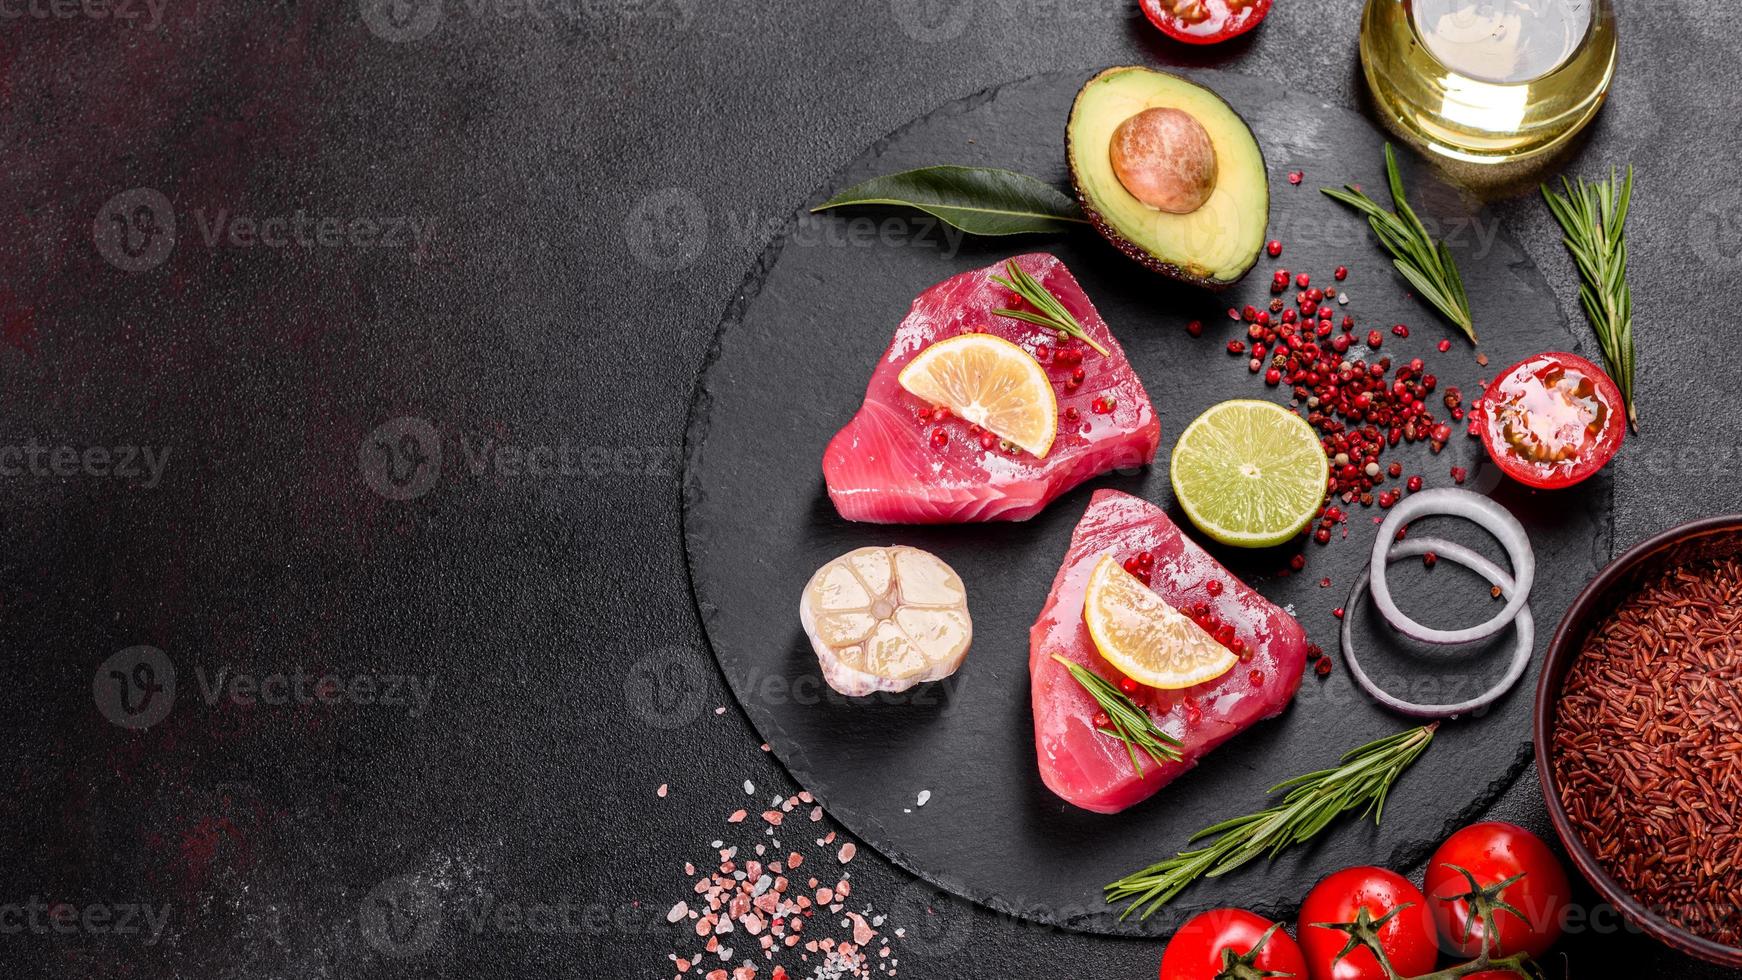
x=1213, y=246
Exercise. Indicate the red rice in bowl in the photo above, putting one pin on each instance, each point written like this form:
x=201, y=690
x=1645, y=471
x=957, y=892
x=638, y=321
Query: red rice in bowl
x=1647, y=747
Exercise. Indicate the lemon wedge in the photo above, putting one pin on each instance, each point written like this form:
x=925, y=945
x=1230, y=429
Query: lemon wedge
x=1148, y=640
x=990, y=382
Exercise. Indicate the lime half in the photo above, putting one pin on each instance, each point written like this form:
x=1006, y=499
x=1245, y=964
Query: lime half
x=1249, y=473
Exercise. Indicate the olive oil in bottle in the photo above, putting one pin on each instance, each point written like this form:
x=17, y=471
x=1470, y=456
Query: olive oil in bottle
x=1488, y=81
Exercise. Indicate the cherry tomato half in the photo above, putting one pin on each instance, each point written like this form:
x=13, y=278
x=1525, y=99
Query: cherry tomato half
x=1407, y=937
x=1204, y=21
x=1494, y=852
x=1552, y=420
x=1195, y=953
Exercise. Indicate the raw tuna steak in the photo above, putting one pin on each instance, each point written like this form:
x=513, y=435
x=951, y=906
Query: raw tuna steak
x=887, y=467
x=1094, y=771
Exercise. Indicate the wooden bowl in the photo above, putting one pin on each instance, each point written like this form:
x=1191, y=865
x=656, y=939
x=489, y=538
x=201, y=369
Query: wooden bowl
x=1712, y=537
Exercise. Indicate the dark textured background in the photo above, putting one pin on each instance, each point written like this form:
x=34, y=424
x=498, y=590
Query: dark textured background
x=595, y=178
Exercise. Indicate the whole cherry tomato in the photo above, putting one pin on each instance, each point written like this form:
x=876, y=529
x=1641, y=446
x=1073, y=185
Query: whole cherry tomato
x=1493, y=852
x=1552, y=420
x=1204, y=21
x=1196, y=951
x=1407, y=937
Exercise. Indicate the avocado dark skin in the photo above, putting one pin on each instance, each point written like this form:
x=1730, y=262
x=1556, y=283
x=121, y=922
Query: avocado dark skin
x=1139, y=254
x=1132, y=250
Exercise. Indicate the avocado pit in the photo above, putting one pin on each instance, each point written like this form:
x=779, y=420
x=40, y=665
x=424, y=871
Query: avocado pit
x=1164, y=157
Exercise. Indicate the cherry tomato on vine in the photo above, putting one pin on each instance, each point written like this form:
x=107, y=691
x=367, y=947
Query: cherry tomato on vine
x=1493, y=852
x=1552, y=420
x=1407, y=937
x=1204, y=21
x=1195, y=953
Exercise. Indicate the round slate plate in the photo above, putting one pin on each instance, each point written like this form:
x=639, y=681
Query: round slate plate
x=789, y=367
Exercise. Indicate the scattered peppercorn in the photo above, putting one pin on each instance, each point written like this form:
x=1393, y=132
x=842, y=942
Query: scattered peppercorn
x=1359, y=408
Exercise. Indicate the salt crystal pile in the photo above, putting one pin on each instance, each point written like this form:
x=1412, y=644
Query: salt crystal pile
x=756, y=901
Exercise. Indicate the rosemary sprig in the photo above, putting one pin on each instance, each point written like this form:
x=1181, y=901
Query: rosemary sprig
x=1052, y=315
x=1312, y=801
x=1131, y=724
x=1425, y=263
x=1592, y=215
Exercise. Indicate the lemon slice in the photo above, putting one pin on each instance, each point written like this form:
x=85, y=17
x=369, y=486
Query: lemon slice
x=1249, y=473
x=992, y=383
x=1148, y=640
x=886, y=619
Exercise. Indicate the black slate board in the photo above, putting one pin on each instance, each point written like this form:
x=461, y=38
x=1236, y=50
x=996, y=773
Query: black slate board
x=789, y=366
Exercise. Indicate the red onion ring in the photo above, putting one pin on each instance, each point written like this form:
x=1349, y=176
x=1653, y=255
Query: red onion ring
x=1524, y=624
x=1474, y=507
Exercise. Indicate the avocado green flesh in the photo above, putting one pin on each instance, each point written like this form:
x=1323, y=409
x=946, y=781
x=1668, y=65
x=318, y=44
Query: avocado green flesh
x=1214, y=245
